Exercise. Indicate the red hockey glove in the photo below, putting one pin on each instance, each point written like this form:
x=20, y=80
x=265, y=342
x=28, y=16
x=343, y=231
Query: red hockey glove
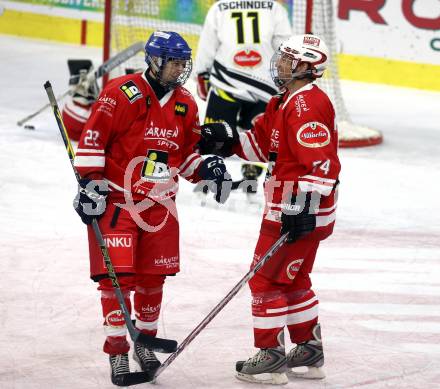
x=203, y=85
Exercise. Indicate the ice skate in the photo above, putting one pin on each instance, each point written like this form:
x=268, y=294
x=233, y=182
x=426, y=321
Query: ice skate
x=119, y=368
x=145, y=358
x=267, y=366
x=306, y=359
x=121, y=375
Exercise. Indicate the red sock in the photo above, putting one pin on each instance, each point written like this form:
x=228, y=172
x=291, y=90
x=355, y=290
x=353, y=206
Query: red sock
x=147, y=302
x=114, y=322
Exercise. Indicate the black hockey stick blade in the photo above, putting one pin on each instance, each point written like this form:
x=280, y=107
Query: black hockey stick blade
x=130, y=379
x=159, y=345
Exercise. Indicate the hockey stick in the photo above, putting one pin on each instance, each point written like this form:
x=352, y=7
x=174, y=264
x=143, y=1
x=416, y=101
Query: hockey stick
x=105, y=68
x=211, y=315
x=156, y=344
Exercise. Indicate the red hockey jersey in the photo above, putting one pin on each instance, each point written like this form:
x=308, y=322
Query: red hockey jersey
x=297, y=137
x=136, y=142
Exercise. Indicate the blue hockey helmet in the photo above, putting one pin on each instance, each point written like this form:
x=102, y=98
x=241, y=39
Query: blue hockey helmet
x=165, y=46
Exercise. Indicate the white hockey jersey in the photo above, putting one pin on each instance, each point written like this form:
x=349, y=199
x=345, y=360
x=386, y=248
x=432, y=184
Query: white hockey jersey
x=237, y=42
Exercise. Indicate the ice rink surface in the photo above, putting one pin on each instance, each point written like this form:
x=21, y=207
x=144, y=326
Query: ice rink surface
x=377, y=277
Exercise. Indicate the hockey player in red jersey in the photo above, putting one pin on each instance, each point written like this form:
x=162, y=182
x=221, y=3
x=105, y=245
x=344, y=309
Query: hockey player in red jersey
x=297, y=137
x=140, y=137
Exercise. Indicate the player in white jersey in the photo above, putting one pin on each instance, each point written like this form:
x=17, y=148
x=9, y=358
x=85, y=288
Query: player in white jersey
x=236, y=44
x=232, y=64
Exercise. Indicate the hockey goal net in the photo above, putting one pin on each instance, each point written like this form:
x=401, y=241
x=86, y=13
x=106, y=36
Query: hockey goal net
x=128, y=21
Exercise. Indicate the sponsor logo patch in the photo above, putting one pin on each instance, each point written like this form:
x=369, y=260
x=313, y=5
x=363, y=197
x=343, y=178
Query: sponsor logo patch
x=155, y=168
x=300, y=105
x=131, y=91
x=181, y=109
x=106, y=105
x=274, y=139
x=313, y=135
x=115, y=318
x=247, y=58
x=158, y=132
x=257, y=300
x=124, y=241
x=120, y=247
x=168, y=263
x=293, y=268
x=150, y=309
x=107, y=100
x=311, y=40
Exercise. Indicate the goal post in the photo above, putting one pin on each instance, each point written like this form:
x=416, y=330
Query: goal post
x=128, y=21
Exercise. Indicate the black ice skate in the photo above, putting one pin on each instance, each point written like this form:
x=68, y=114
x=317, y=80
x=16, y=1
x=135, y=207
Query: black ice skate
x=145, y=358
x=119, y=368
x=267, y=366
x=121, y=375
x=306, y=359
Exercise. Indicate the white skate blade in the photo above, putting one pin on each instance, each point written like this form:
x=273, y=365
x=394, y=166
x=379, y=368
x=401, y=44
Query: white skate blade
x=306, y=372
x=264, y=378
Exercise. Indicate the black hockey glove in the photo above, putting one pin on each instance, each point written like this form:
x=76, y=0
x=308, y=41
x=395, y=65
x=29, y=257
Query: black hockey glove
x=90, y=202
x=213, y=170
x=218, y=138
x=296, y=219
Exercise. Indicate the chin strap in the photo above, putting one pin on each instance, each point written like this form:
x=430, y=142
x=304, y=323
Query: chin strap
x=154, y=67
x=302, y=75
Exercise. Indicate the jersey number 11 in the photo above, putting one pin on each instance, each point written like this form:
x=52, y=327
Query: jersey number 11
x=240, y=27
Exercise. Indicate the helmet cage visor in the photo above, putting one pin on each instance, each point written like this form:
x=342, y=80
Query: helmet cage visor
x=282, y=68
x=167, y=78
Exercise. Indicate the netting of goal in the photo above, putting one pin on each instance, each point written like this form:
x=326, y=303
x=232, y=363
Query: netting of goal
x=128, y=21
